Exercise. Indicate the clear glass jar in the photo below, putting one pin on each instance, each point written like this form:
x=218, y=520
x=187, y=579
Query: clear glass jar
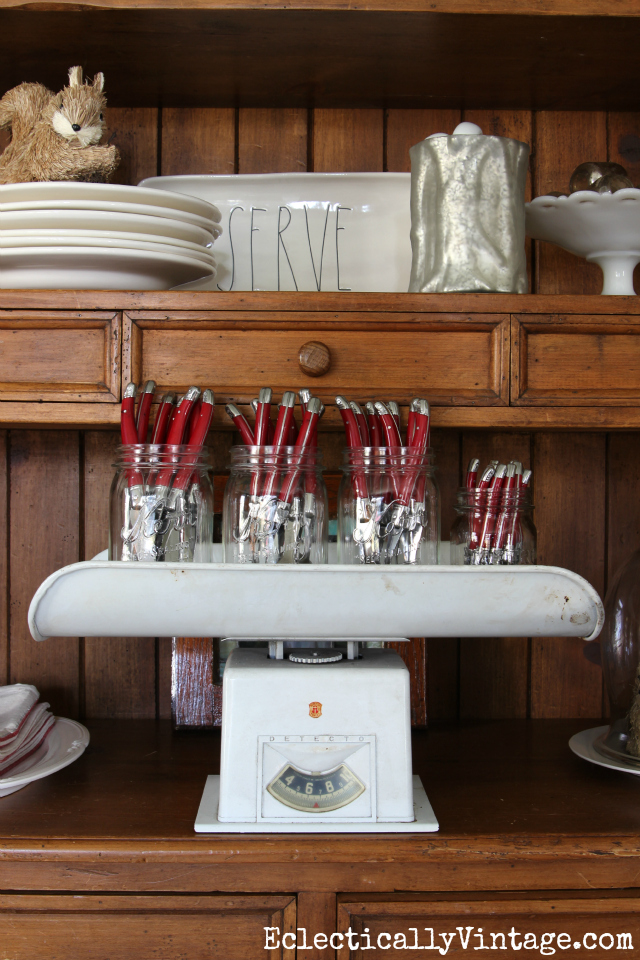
x=620, y=649
x=493, y=531
x=388, y=507
x=161, y=504
x=275, y=507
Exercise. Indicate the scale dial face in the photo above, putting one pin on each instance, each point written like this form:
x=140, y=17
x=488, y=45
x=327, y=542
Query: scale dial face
x=316, y=792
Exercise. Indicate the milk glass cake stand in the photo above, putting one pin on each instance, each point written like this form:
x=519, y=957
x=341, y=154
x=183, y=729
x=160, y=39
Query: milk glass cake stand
x=314, y=745
x=604, y=228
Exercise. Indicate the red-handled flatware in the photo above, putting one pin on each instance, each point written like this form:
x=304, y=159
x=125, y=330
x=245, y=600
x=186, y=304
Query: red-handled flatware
x=263, y=413
x=472, y=474
x=389, y=426
x=144, y=410
x=351, y=427
x=281, y=433
x=491, y=504
x=303, y=443
x=161, y=424
x=128, y=431
x=363, y=426
x=198, y=433
x=375, y=426
x=240, y=423
x=394, y=410
x=285, y=418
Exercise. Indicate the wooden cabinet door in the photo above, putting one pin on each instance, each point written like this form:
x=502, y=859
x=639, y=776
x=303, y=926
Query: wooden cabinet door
x=575, y=360
x=451, y=360
x=104, y=927
x=60, y=356
x=559, y=925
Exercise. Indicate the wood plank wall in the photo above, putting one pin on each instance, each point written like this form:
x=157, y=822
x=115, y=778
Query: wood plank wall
x=55, y=483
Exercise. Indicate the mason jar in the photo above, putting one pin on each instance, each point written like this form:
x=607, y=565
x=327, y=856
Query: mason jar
x=493, y=530
x=388, y=507
x=161, y=504
x=275, y=507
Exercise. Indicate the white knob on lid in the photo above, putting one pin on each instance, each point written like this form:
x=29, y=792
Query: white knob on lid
x=467, y=128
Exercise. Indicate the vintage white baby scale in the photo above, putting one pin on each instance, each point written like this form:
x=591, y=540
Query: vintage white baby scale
x=314, y=737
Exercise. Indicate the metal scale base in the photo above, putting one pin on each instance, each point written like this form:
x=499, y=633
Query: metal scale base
x=207, y=819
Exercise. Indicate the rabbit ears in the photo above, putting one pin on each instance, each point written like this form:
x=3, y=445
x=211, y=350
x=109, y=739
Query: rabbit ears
x=75, y=79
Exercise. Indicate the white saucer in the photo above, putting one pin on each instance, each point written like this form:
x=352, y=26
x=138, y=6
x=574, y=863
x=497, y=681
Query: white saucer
x=96, y=268
x=80, y=235
x=582, y=745
x=108, y=206
x=103, y=220
x=73, y=240
x=112, y=192
x=67, y=741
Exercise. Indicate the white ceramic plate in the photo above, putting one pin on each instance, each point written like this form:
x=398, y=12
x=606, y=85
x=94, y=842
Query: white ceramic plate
x=602, y=227
x=66, y=742
x=108, y=206
x=583, y=745
x=99, y=268
x=308, y=231
x=112, y=192
x=81, y=235
x=201, y=254
x=161, y=227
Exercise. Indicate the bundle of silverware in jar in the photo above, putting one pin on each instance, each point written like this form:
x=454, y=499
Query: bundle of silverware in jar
x=162, y=494
x=493, y=524
x=275, y=503
x=388, y=509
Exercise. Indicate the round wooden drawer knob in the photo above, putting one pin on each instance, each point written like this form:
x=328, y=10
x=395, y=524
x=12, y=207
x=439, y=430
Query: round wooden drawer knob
x=314, y=358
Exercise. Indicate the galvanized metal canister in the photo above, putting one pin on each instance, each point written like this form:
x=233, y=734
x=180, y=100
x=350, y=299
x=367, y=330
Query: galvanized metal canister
x=467, y=214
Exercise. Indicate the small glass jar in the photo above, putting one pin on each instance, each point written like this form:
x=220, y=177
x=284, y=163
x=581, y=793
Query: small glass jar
x=490, y=531
x=275, y=507
x=388, y=507
x=620, y=651
x=161, y=504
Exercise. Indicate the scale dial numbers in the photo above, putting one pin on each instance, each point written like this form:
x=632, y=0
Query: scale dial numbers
x=316, y=792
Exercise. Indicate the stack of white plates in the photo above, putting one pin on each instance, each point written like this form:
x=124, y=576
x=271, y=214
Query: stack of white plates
x=103, y=236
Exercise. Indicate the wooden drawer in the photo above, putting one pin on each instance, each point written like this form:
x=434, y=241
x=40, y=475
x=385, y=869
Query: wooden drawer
x=61, y=356
x=126, y=927
x=575, y=360
x=591, y=923
x=448, y=359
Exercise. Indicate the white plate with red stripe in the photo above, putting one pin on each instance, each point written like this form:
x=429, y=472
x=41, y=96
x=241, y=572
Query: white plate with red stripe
x=66, y=742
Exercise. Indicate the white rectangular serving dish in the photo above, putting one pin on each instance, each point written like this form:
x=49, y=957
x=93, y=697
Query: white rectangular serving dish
x=307, y=231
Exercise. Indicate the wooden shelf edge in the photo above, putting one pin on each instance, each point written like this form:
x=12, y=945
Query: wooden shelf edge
x=14, y=413
x=42, y=415
x=506, y=303
x=529, y=8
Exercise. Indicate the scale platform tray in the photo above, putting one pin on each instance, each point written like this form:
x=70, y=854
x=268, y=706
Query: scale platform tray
x=207, y=818
x=99, y=598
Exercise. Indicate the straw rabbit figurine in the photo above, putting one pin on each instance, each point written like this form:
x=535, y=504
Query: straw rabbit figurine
x=54, y=136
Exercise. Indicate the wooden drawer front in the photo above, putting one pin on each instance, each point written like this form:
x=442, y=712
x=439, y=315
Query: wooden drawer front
x=451, y=362
x=141, y=928
x=60, y=356
x=395, y=926
x=575, y=360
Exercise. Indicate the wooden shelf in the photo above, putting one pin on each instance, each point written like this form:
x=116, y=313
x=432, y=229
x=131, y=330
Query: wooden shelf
x=104, y=851
x=321, y=54
x=131, y=801
x=183, y=303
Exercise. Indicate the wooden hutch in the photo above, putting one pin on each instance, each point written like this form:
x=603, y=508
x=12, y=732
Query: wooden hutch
x=100, y=860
